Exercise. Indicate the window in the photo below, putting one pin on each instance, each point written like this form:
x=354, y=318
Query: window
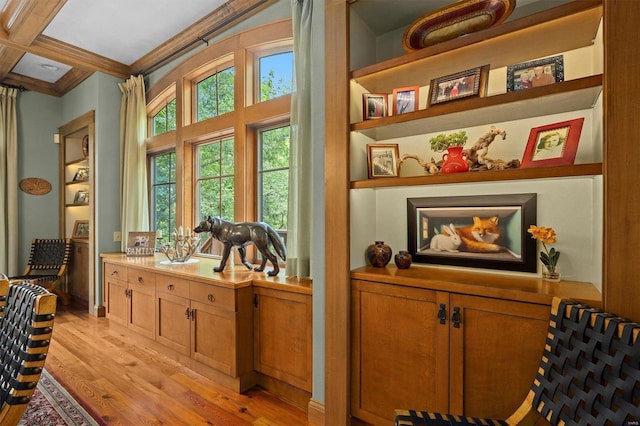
x=215, y=95
x=165, y=119
x=276, y=75
x=163, y=192
x=273, y=177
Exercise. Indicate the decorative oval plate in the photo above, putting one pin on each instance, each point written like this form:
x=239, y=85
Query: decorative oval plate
x=35, y=186
x=455, y=20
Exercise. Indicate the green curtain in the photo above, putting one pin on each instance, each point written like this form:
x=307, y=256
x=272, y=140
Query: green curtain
x=8, y=182
x=299, y=221
x=134, y=215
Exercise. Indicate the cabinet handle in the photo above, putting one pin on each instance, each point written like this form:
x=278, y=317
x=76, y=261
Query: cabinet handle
x=187, y=313
x=255, y=300
x=442, y=313
x=170, y=287
x=140, y=280
x=211, y=297
x=193, y=314
x=114, y=273
x=455, y=318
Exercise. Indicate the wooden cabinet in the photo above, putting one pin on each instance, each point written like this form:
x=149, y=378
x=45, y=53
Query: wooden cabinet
x=399, y=351
x=209, y=324
x=282, y=323
x=452, y=343
x=78, y=283
x=130, y=298
x=173, y=313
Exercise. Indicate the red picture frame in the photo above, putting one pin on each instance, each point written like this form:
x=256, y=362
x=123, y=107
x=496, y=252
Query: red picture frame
x=553, y=144
x=405, y=99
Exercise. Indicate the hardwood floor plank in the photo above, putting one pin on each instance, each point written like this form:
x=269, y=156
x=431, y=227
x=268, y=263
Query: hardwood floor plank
x=127, y=382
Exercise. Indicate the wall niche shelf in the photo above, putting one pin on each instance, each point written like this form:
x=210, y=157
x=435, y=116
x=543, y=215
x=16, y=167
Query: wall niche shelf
x=561, y=97
x=563, y=28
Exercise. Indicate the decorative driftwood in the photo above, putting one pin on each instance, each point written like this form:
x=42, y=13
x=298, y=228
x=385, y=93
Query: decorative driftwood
x=477, y=155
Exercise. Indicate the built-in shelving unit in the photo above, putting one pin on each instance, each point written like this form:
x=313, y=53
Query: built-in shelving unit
x=76, y=204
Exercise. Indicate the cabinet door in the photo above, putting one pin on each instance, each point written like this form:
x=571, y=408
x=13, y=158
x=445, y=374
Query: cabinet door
x=79, y=271
x=142, y=291
x=116, y=299
x=172, y=322
x=399, y=353
x=497, y=347
x=282, y=336
x=213, y=337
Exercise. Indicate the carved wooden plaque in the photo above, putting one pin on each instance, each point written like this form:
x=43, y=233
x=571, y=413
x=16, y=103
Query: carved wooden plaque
x=35, y=186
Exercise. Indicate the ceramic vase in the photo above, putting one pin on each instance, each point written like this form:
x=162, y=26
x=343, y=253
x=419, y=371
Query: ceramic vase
x=379, y=254
x=454, y=161
x=403, y=259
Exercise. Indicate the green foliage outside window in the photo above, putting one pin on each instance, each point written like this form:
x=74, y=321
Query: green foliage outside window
x=276, y=75
x=215, y=94
x=165, y=120
x=163, y=192
x=273, y=172
x=215, y=180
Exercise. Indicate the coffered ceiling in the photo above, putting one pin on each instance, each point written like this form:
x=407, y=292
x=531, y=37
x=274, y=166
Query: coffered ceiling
x=50, y=46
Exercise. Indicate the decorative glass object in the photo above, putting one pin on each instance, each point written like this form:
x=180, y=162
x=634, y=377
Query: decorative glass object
x=181, y=245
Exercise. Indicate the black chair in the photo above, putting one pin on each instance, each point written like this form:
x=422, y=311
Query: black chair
x=47, y=265
x=589, y=374
x=25, y=332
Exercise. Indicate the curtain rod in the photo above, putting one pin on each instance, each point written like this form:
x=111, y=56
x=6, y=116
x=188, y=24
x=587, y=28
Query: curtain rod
x=10, y=86
x=199, y=39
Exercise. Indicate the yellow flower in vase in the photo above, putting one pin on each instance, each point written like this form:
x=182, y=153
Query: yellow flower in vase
x=549, y=257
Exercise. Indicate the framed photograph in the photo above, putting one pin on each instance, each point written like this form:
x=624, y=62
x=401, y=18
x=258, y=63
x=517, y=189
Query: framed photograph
x=81, y=197
x=80, y=229
x=535, y=73
x=405, y=99
x=81, y=175
x=141, y=244
x=553, y=145
x=374, y=105
x=485, y=231
x=382, y=160
x=472, y=82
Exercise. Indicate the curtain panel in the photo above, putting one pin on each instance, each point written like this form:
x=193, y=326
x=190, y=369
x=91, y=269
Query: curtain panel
x=8, y=181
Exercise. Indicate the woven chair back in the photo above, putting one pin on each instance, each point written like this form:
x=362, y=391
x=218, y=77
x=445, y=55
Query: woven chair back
x=49, y=254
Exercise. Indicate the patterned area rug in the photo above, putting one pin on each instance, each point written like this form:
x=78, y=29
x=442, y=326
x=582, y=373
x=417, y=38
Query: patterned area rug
x=52, y=405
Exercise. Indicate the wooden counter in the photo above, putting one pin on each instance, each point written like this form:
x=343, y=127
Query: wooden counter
x=234, y=276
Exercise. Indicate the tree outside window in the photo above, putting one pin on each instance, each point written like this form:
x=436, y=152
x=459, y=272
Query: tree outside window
x=165, y=119
x=215, y=94
x=273, y=177
x=215, y=183
x=163, y=192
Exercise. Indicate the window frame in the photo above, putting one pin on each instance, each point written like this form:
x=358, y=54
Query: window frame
x=239, y=51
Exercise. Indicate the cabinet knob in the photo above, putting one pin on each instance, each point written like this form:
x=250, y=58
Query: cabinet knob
x=211, y=297
x=140, y=280
x=170, y=287
x=187, y=313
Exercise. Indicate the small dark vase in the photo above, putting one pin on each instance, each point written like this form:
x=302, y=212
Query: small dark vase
x=403, y=259
x=379, y=254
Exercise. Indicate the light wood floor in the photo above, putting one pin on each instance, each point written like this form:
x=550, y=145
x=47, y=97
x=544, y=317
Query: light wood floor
x=127, y=383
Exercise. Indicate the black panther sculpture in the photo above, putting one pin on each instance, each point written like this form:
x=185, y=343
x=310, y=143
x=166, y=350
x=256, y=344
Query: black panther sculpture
x=242, y=234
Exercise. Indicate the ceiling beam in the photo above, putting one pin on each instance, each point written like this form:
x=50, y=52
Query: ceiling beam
x=32, y=84
x=26, y=19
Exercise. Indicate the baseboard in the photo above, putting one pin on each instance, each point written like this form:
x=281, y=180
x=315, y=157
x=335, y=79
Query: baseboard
x=315, y=413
